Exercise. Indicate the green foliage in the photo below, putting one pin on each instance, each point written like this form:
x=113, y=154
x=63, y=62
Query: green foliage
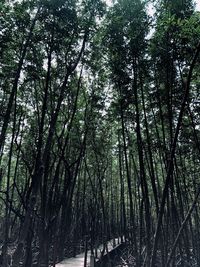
x=92, y=122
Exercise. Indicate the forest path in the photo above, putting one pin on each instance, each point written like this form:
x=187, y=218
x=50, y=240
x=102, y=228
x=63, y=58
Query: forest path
x=78, y=261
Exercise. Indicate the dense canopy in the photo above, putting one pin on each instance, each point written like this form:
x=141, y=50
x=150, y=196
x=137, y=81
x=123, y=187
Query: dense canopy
x=99, y=130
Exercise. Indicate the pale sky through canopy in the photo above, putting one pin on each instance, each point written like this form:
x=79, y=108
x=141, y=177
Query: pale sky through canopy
x=198, y=5
x=109, y=2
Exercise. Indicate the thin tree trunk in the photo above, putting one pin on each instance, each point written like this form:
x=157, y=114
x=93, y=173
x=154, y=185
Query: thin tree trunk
x=171, y=162
x=16, y=82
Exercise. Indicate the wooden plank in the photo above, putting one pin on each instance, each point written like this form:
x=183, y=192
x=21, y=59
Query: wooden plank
x=78, y=261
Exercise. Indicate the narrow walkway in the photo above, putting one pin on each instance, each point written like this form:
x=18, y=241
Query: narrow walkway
x=78, y=261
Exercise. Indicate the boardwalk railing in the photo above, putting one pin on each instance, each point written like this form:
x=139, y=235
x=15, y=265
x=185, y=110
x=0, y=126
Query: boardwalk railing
x=109, y=257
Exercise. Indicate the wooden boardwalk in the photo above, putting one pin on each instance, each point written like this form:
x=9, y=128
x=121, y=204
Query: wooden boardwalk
x=78, y=261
